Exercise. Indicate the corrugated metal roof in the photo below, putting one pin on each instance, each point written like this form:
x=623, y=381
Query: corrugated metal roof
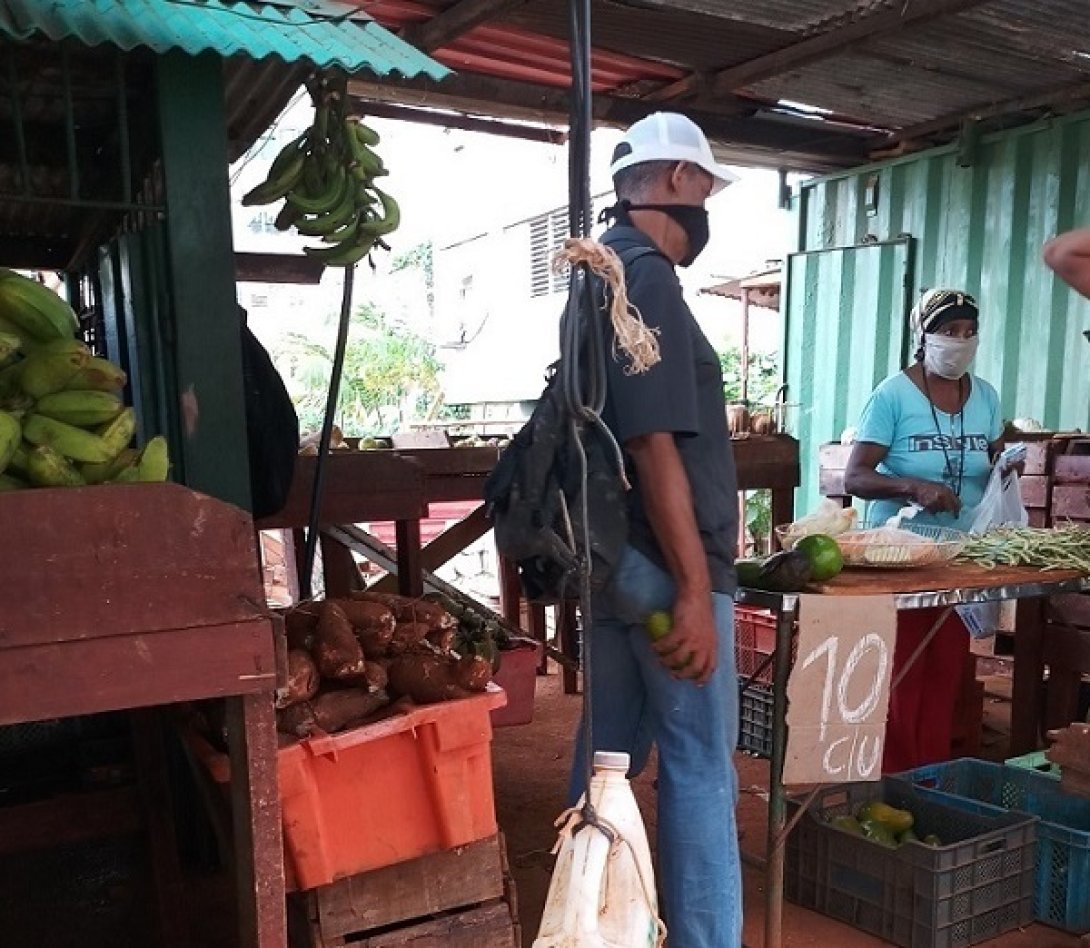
x=681, y=38
x=510, y=52
x=868, y=88
x=1011, y=59
x=325, y=35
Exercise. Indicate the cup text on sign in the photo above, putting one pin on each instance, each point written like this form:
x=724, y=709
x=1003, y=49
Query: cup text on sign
x=838, y=693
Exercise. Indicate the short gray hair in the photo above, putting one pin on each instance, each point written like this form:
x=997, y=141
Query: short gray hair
x=635, y=181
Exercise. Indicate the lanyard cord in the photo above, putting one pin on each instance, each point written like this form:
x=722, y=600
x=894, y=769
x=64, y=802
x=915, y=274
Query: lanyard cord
x=938, y=430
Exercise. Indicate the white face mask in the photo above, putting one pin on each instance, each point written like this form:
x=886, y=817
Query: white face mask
x=948, y=356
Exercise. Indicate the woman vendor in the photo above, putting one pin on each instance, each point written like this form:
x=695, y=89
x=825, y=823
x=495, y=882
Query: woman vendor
x=928, y=437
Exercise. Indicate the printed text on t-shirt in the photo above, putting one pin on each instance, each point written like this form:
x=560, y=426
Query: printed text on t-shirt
x=940, y=442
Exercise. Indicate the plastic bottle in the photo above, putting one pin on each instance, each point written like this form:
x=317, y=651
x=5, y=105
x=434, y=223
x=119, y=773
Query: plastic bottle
x=602, y=894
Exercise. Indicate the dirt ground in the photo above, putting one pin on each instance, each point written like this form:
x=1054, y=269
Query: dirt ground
x=531, y=771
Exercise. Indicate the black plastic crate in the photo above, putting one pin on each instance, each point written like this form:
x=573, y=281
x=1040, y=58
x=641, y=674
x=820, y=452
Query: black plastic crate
x=755, y=718
x=976, y=886
x=1063, y=835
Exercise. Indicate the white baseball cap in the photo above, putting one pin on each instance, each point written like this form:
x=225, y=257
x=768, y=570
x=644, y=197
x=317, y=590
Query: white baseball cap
x=669, y=136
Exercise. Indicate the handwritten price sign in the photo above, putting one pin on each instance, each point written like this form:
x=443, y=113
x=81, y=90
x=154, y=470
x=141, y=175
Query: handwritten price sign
x=838, y=693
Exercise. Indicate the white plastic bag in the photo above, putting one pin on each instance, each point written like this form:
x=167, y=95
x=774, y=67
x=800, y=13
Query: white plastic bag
x=1001, y=506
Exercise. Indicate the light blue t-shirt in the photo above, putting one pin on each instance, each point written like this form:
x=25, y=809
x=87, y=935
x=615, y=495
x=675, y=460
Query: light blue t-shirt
x=898, y=416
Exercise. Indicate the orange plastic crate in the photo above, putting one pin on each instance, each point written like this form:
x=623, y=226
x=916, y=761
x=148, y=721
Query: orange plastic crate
x=411, y=784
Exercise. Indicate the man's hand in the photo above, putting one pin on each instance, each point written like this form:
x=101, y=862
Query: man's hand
x=935, y=498
x=1068, y=256
x=691, y=650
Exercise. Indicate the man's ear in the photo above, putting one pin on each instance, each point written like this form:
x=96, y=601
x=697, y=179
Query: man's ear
x=678, y=175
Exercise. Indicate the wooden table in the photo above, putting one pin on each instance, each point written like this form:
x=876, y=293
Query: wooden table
x=135, y=596
x=360, y=486
x=947, y=585
x=770, y=462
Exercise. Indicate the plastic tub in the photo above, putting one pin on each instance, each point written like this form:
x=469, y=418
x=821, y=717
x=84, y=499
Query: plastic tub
x=517, y=676
x=414, y=783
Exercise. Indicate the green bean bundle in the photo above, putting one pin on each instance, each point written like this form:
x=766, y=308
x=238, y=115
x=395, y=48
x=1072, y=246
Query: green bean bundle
x=1064, y=547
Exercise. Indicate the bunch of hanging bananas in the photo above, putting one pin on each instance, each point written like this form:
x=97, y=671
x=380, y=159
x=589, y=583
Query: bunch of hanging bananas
x=326, y=177
x=62, y=420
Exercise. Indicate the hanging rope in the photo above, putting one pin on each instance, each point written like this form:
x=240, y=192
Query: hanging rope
x=632, y=336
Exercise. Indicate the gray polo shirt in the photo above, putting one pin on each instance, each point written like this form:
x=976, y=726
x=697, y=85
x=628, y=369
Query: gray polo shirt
x=682, y=394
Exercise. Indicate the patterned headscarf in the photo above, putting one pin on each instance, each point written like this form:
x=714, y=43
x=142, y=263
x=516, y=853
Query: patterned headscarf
x=938, y=308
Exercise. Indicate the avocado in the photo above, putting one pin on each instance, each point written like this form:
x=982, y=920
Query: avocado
x=785, y=572
x=749, y=572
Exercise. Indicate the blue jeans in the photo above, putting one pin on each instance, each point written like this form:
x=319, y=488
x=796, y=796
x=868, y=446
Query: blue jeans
x=637, y=702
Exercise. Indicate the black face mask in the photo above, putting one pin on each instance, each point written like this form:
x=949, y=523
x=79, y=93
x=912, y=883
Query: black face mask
x=693, y=220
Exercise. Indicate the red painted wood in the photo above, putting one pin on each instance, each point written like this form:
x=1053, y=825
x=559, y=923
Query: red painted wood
x=359, y=486
x=96, y=562
x=255, y=800
x=61, y=679
x=1070, y=502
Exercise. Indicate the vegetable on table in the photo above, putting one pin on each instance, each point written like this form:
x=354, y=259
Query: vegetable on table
x=1046, y=548
x=428, y=679
x=338, y=653
x=303, y=679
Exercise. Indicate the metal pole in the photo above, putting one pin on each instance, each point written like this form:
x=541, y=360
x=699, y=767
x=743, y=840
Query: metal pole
x=777, y=798
x=745, y=345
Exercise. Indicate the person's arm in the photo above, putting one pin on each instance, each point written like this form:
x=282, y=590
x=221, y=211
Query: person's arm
x=1068, y=256
x=691, y=647
x=863, y=480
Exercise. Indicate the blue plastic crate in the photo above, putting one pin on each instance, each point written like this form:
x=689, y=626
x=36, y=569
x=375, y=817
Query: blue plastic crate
x=974, y=887
x=1035, y=761
x=1062, y=889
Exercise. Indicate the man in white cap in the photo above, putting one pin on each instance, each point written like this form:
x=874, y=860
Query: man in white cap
x=680, y=691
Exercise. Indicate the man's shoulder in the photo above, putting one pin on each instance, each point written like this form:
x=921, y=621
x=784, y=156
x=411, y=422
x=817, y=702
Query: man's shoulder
x=647, y=270
x=633, y=244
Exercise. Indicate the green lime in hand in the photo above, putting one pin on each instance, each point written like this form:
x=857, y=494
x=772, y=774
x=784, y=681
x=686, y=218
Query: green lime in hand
x=658, y=624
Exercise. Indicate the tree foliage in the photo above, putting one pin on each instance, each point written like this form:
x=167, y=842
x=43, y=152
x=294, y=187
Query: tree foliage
x=390, y=375
x=764, y=375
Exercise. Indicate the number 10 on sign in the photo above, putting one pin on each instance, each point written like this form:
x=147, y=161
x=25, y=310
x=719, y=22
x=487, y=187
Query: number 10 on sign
x=839, y=689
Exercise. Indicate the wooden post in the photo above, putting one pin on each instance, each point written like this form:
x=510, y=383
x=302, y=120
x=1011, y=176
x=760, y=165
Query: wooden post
x=205, y=335
x=153, y=783
x=510, y=592
x=1028, y=686
x=255, y=801
x=410, y=579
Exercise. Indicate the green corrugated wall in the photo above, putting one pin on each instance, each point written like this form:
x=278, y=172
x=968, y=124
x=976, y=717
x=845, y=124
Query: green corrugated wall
x=980, y=228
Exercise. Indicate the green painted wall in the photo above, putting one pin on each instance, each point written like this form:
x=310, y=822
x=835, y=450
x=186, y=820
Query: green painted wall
x=980, y=228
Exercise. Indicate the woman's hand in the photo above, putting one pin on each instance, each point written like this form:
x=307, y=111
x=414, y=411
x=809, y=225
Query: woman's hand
x=935, y=498
x=1018, y=467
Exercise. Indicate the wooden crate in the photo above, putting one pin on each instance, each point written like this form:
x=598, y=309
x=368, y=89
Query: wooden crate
x=1071, y=488
x=455, y=898
x=1067, y=633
